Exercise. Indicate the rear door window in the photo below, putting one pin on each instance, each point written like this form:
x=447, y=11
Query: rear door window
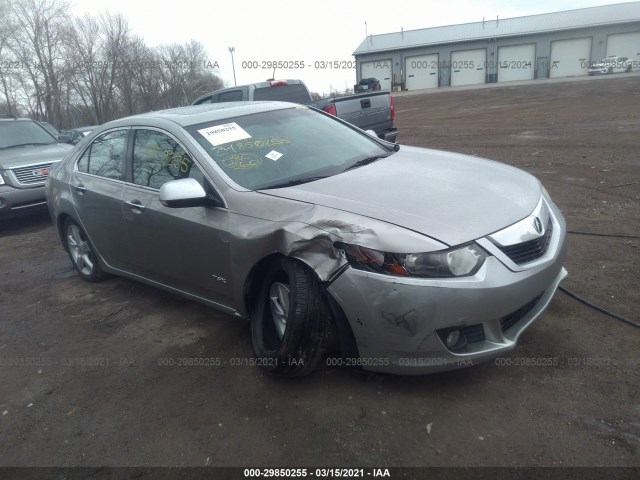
x=232, y=96
x=105, y=155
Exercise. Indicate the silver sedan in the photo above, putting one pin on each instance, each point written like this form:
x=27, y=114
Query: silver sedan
x=340, y=248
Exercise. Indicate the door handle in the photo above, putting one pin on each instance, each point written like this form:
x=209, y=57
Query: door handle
x=80, y=188
x=135, y=204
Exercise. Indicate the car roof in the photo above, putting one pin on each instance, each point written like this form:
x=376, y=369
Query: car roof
x=207, y=112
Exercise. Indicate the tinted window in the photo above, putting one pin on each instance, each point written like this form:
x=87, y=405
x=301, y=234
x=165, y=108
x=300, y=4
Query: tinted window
x=233, y=96
x=296, y=93
x=104, y=156
x=158, y=159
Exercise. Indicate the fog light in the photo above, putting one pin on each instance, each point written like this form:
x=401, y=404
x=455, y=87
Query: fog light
x=453, y=338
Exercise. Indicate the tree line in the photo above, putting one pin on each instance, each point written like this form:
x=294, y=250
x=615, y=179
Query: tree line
x=72, y=71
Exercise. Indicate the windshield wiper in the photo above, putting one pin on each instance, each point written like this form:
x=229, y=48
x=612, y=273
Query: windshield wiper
x=291, y=183
x=365, y=161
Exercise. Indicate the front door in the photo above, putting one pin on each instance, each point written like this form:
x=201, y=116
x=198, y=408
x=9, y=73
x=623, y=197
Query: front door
x=184, y=248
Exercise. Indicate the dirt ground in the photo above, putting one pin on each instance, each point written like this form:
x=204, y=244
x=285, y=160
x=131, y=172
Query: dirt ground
x=83, y=380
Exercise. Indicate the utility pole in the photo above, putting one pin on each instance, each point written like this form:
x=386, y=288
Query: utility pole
x=231, y=50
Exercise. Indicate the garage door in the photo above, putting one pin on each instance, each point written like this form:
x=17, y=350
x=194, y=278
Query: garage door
x=422, y=71
x=570, y=58
x=378, y=69
x=624, y=45
x=516, y=62
x=467, y=67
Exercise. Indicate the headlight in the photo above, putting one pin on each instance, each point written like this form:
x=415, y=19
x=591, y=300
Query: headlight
x=1, y=179
x=456, y=262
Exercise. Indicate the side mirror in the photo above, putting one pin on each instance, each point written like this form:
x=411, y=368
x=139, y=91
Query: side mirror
x=186, y=192
x=63, y=138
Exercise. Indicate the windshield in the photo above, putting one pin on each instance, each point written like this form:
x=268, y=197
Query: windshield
x=18, y=133
x=276, y=148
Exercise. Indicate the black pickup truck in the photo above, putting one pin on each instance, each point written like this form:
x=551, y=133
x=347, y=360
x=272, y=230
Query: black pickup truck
x=368, y=111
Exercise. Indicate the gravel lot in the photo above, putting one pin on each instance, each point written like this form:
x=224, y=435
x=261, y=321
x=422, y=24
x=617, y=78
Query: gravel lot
x=82, y=380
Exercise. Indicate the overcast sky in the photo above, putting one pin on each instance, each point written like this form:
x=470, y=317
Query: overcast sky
x=285, y=30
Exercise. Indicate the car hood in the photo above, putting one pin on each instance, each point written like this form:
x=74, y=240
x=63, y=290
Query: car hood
x=450, y=197
x=33, y=154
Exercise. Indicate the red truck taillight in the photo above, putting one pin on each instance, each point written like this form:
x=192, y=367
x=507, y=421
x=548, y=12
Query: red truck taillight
x=331, y=110
x=393, y=108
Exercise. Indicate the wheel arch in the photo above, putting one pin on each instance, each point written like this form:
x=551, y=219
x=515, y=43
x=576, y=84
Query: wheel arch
x=345, y=342
x=60, y=220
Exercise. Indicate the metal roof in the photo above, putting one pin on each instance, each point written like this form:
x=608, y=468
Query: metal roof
x=570, y=19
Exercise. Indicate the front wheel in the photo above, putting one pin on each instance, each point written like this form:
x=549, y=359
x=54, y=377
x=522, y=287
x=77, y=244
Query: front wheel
x=81, y=252
x=290, y=320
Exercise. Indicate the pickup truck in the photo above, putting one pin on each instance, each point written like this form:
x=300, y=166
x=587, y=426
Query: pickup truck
x=368, y=111
x=367, y=85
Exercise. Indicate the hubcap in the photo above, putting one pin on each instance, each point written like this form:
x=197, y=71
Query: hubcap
x=279, y=302
x=80, y=250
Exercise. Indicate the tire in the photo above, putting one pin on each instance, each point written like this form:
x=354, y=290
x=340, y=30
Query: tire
x=290, y=321
x=81, y=252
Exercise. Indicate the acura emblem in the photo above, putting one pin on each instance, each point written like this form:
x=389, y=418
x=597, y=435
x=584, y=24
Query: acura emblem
x=537, y=224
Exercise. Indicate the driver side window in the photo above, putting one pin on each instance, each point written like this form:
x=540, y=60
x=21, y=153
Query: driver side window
x=158, y=158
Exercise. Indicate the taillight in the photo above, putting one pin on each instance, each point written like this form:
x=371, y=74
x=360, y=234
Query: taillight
x=331, y=109
x=278, y=83
x=393, y=109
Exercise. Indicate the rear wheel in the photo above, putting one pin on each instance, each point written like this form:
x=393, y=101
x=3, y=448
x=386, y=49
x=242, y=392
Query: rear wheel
x=290, y=320
x=81, y=252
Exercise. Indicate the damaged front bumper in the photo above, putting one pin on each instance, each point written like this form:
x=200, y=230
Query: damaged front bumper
x=401, y=324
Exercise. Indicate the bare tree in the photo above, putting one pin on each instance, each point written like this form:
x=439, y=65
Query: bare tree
x=38, y=42
x=185, y=73
x=96, y=53
x=75, y=71
x=7, y=31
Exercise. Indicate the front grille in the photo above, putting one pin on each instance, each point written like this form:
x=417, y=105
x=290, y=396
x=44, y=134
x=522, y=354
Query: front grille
x=510, y=320
x=529, y=251
x=33, y=174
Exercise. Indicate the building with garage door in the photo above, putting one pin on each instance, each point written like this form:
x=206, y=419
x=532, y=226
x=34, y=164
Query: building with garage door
x=559, y=44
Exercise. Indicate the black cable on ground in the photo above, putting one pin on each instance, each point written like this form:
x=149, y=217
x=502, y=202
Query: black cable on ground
x=595, y=234
x=596, y=307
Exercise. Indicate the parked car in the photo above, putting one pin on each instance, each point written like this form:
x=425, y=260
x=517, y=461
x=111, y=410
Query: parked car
x=27, y=153
x=50, y=128
x=393, y=259
x=79, y=133
x=610, y=65
x=368, y=111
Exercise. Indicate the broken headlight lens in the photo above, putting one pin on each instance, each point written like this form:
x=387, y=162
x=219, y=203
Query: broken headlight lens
x=456, y=262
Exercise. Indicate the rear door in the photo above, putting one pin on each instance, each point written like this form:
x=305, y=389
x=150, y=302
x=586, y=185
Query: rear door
x=184, y=248
x=96, y=187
